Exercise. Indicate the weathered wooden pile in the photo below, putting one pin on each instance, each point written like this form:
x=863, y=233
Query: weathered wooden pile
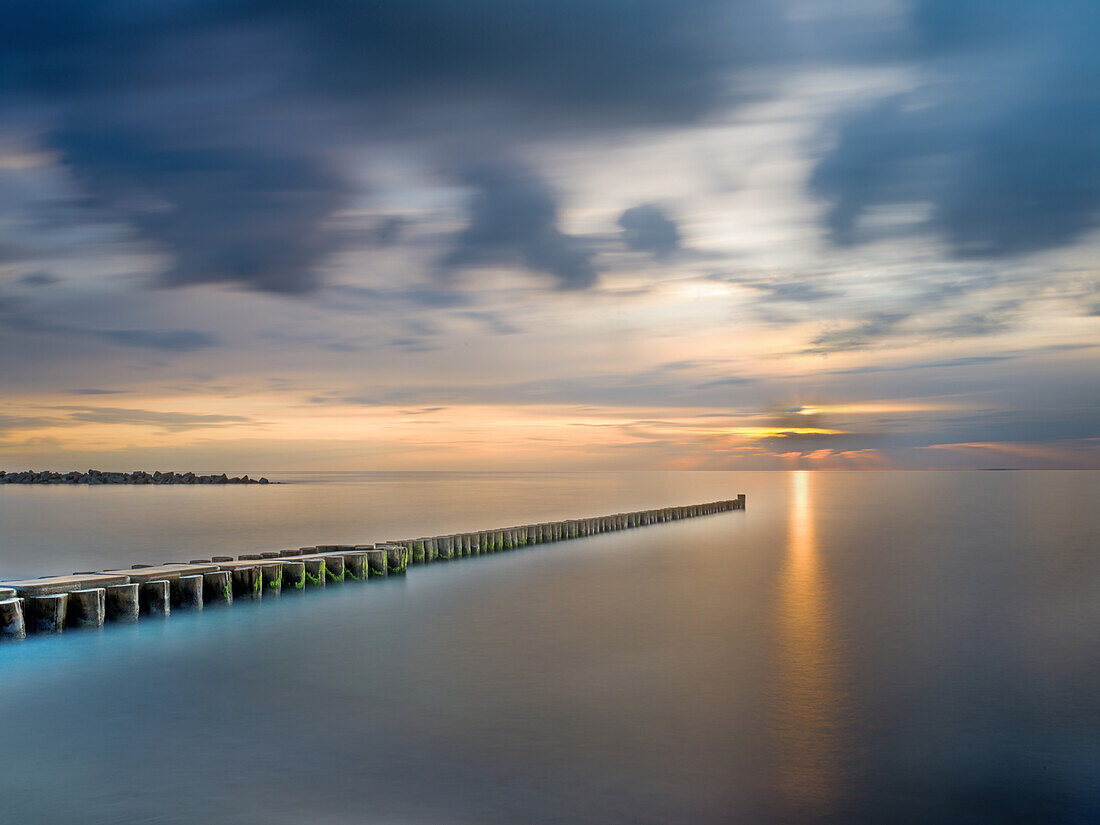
x=89, y=599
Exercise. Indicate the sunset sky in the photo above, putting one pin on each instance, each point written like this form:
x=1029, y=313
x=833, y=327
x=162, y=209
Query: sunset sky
x=533, y=235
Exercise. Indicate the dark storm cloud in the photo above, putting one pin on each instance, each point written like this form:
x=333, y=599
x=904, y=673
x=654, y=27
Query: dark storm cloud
x=209, y=125
x=1001, y=138
x=514, y=220
x=646, y=228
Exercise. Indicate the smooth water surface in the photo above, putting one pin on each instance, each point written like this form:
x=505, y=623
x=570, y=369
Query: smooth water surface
x=899, y=647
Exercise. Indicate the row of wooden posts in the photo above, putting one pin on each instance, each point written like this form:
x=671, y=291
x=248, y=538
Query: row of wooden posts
x=89, y=599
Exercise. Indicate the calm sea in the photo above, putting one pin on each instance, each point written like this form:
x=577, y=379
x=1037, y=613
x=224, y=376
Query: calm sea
x=900, y=647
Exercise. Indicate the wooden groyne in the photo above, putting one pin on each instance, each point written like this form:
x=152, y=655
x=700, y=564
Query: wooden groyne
x=54, y=604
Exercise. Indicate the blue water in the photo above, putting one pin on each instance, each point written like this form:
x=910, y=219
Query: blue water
x=905, y=647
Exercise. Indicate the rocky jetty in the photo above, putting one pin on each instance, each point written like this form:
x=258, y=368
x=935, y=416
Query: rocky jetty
x=138, y=477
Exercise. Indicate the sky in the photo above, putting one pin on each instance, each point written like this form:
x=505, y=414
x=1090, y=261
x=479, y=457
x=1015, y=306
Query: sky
x=529, y=235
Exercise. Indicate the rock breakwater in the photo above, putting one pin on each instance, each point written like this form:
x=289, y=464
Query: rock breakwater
x=137, y=477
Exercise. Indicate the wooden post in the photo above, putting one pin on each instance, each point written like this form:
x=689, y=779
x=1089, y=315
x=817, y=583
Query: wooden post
x=13, y=626
x=87, y=608
x=294, y=576
x=376, y=561
x=155, y=598
x=187, y=592
x=396, y=559
x=123, y=603
x=315, y=572
x=49, y=612
x=217, y=587
x=334, y=569
x=271, y=579
x=247, y=583
x=355, y=564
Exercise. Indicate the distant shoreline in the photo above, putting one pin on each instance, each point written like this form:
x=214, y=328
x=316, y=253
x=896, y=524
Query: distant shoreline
x=97, y=477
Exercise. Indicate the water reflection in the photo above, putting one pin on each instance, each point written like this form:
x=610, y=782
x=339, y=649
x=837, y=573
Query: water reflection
x=808, y=712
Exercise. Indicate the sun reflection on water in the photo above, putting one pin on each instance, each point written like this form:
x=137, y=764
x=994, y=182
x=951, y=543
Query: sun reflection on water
x=808, y=707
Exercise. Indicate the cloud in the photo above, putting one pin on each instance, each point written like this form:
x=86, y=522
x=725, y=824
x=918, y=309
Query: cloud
x=16, y=315
x=513, y=219
x=647, y=228
x=227, y=215
x=859, y=335
x=168, y=340
x=168, y=421
x=797, y=291
x=212, y=129
x=38, y=279
x=1000, y=140
x=492, y=322
x=732, y=381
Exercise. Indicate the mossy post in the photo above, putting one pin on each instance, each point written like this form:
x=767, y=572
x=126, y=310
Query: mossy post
x=294, y=576
x=397, y=559
x=334, y=569
x=376, y=562
x=217, y=587
x=155, y=598
x=87, y=608
x=355, y=564
x=315, y=572
x=444, y=549
x=247, y=583
x=271, y=577
x=13, y=625
x=187, y=592
x=123, y=603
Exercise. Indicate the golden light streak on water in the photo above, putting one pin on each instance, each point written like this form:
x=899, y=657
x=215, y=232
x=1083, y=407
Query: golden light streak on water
x=810, y=690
